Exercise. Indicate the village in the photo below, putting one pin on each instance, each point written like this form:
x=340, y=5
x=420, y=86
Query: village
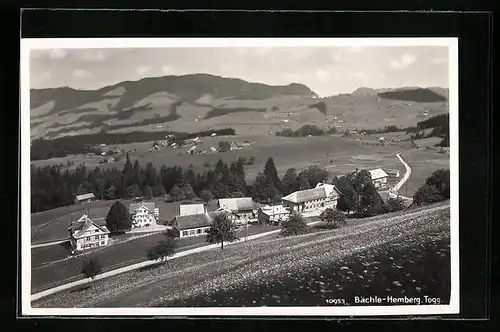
x=194, y=219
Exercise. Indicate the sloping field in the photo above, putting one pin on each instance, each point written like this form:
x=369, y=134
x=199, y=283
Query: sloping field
x=57, y=269
x=242, y=267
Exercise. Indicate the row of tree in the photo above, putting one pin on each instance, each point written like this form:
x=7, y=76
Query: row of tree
x=51, y=187
x=306, y=130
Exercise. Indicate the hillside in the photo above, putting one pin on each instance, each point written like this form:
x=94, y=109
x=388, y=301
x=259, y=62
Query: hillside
x=202, y=102
x=156, y=100
x=315, y=264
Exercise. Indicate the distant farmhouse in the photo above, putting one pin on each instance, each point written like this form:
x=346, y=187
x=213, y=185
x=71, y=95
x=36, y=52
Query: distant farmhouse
x=85, y=198
x=243, y=207
x=322, y=197
x=86, y=234
x=379, y=177
x=144, y=214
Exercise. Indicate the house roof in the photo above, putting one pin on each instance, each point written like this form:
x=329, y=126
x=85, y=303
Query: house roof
x=192, y=221
x=377, y=173
x=276, y=210
x=191, y=209
x=85, y=196
x=148, y=205
x=306, y=195
x=237, y=204
x=80, y=226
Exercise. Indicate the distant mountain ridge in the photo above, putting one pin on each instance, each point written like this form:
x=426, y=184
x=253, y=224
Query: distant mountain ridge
x=187, y=88
x=203, y=102
x=410, y=93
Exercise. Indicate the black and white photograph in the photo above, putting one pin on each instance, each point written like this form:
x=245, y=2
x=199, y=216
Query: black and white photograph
x=239, y=176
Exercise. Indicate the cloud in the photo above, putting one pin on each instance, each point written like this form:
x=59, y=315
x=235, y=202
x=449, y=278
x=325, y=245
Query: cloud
x=359, y=75
x=438, y=60
x=57, y=53
x=167, y=69
x=141, y=70
x=322, y=75
x=404, y=61
x=93, y=56
x=81, y=73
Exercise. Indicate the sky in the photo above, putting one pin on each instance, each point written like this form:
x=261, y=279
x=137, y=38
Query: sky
x=325, y=70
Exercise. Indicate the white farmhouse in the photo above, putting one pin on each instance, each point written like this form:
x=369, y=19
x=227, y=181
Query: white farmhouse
x=144, y=214
x=319, y=198
x=85, y=234
x=379, y=177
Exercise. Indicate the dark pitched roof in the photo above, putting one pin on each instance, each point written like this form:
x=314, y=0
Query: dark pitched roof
x=192, y=221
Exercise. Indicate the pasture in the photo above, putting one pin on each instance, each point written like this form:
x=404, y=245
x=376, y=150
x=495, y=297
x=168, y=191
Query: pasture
x=337, y=154
x=111, y=257
x=44, y=229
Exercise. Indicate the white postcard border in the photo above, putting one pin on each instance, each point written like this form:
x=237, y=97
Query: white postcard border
x=75, y=43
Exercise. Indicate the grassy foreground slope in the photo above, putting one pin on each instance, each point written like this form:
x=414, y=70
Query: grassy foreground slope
x=242, y=271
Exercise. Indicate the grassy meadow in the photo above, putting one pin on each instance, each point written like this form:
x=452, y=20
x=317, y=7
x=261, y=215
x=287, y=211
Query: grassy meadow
x=253, y=275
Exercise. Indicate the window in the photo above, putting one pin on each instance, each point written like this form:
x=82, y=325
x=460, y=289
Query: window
x=198, y=231
x=87, y=238
x=206, y=230
x=97, y=237
x=184, y=233
x=191, y=232
x=102, y=243
x=97, y=231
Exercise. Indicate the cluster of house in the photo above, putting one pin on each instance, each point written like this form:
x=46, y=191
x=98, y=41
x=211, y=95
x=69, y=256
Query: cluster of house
x=85, y=233
x=195, y=219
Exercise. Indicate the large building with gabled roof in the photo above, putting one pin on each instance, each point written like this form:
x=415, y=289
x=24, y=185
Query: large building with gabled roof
x=321, y=197
x=86, y=234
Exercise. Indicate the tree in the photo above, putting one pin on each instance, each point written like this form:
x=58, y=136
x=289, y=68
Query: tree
x=159, y=190
x=314, y=175
x=370, y=203
x=333, y=218
x=176, y=193
x=221, y=229
x=263, y=188
x=134, y=190
x=440, y=179
x=349, y=197
x=118, y=218
x=395, y=204
x=162, y=250
x=272, y=173
x=91, y=268
x=427, y=194
x=188, y=192
x=206, y=196
x=224, y=146
x=147, y=191
x=291, y=182
x=295, y=225
x=237, y=194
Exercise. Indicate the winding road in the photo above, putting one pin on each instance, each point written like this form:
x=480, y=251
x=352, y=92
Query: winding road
x=405, y=177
